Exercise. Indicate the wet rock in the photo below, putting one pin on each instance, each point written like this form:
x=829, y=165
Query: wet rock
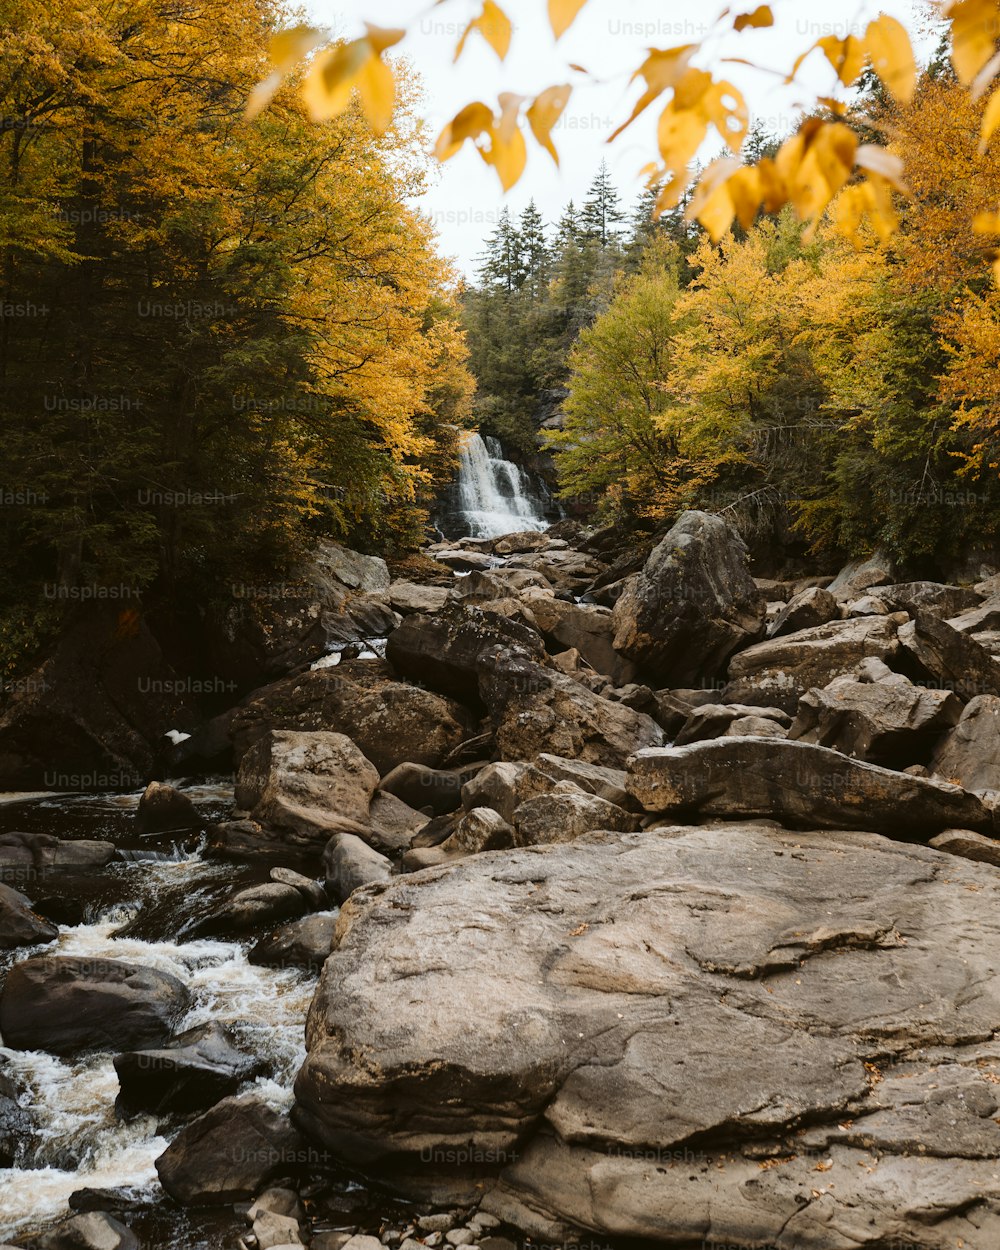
x=537, y=710
x=16, y=1125
x=443, y=651
x=311, y=891
x=563, y=815
x=970, y=755
x=250, y=910
x=231, y=1153
x=19, y=925
x=808, y=787
x=162, y=809
x=694, y=1011
x=778, y=672
x=305, y=782
x=32, y=857
x=65, y=1004
x=350, y=863
x=950, y=658
x=387, y=720
x=200, y=1067
x=887, y=722
x=806, y=610
x=96, y=1230
x=693, y=604
x=302, y=943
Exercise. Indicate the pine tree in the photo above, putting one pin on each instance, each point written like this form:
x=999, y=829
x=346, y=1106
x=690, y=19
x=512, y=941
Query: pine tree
x=601, y=216
x=535, y=251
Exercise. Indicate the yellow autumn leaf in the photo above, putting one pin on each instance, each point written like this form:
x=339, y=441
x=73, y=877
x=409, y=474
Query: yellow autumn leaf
x=286, y=49
x=888, y=45
x=757, y=20
x=849, y=212
x=357, y=65
x=986, y=223
x=495, y=27
x=543, y=113
x=679, y=134
x=847, y=56
x=508, y=156
x=663, y=68
x=991, y=120
x=746, y=189
x=712, y=202
x=562, y=15
x=724, y=105
x=469, y=123
x=973, y=35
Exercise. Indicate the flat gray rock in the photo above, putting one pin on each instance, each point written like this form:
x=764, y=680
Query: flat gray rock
x=730, y=1035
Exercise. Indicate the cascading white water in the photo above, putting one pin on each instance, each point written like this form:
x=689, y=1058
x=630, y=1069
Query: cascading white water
x=79, y=1142
x=495, y=496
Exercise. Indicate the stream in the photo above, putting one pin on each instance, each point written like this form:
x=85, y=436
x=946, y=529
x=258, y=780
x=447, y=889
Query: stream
x=138, y=911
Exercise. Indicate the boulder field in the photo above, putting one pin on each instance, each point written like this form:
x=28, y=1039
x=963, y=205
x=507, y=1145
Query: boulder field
x=656, y=904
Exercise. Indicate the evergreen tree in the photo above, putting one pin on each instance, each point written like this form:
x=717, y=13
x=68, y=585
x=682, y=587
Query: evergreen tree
x=601, y=216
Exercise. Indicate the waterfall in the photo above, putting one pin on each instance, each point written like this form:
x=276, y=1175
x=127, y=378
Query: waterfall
x=494, y=496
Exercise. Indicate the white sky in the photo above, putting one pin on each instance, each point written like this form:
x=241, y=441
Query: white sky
x=608, y=39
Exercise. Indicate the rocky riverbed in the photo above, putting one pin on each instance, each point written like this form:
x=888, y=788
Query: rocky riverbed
x=561, y=896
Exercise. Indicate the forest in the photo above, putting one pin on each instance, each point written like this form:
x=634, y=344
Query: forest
x=220, y=337
x=840, y=396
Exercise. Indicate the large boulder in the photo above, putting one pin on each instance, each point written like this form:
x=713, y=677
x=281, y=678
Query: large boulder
x=778, y=672
x=19, y=925
x=230, y=1153
x=164, y=809
x=266, y=629
x=389, y=721
x=200, y=1067
x=808, y=787
x=536, y=710
x=33, y=857
x=66, y=1004
x=813, y=606
x=860, y=575
x=889, y=722
x=250, y=910
x=719, y=1036
x=693, y=604
x=305, y=783
x=302, y=943
x=950, y=658
x=585, y=628
x=443, y=651
x=934, y=597
x=350, y=863
x=565, y=814
x=970, y=755
x=92, y=717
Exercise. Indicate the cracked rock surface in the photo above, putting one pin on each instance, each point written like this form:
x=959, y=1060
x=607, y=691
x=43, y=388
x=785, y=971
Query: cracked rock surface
x=729, y=1034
